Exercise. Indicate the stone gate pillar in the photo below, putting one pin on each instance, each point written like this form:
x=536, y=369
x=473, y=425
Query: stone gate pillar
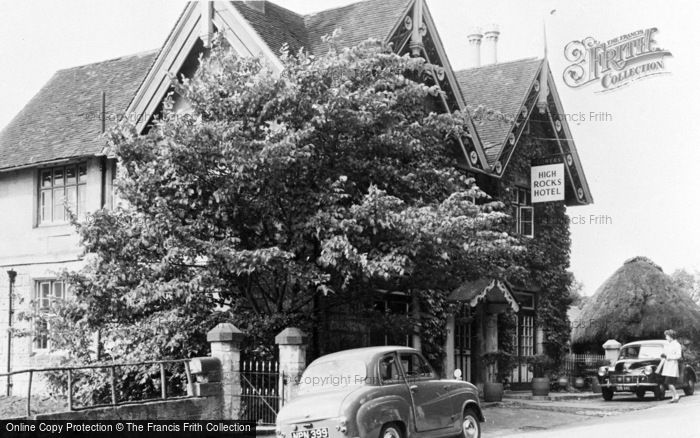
x=292, y=360
x=225, y=341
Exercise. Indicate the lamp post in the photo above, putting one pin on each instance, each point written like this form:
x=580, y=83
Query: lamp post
x=12, y=274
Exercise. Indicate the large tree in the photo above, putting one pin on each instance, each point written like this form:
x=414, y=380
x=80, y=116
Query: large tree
x=333, y=179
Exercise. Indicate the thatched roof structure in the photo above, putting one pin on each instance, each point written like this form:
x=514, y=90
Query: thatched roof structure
x=639, y=301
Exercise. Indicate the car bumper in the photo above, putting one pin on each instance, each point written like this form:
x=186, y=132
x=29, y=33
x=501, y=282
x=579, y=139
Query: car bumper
x=632, y=384
x=328, y=428
x=629, y=385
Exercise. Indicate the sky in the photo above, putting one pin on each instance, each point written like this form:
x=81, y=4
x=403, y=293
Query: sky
x=640, y=156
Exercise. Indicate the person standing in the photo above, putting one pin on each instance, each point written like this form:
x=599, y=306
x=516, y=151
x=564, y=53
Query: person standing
x=669, y=368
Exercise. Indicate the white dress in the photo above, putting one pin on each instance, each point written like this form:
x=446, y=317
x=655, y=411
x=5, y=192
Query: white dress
x=672, y=350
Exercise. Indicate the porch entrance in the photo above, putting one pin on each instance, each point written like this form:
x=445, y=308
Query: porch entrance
x=463, y=342
x=475, y=329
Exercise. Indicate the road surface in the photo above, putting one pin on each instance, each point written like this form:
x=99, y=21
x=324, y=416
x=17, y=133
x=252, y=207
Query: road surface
x=679, y=420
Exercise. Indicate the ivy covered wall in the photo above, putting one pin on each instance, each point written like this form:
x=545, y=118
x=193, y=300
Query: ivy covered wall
x=547, y=254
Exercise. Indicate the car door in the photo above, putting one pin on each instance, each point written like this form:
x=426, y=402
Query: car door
x=432, y=406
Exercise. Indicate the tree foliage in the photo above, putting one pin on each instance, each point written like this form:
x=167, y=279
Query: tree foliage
x=331, y=179
x=687, y=282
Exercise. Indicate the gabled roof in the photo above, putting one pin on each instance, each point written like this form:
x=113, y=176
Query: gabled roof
x=473, y=292
x=63, y=120
x=498, y=87
x=54, y=125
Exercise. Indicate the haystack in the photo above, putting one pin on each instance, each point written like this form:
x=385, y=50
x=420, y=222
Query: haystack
x=639, y=301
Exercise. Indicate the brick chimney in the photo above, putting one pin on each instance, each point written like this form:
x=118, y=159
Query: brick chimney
x=490, y=54
x=474, y=48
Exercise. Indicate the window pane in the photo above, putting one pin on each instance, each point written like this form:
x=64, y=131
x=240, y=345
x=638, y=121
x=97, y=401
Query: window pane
x=58, y=289
x=46, y=178
x=414, y=366
x=71, y=199
x=58, y=208
x=526, y=228
x=44, y=297
x=526, y=300
x=81, y=202
x=58, y=176
x=41, y=337
x=82, y=173
x=70, y=175
x=387, y=369
x=526, y=221
x=45, y=206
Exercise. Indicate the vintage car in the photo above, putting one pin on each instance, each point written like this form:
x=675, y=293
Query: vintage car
x=634, y=371
x=387, y=392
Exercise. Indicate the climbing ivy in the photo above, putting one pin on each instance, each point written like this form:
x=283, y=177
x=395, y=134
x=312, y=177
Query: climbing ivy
x=547, y=254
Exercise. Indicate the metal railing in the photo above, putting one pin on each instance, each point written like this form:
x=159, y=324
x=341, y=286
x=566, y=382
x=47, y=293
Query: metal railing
x=72, y=373
x=262, y=391
x=581, y=365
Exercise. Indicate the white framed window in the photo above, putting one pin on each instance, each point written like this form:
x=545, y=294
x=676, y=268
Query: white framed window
x=526, y=300
x=61, y=188
x=47, y=293
x=525, y=335
x=524, y=213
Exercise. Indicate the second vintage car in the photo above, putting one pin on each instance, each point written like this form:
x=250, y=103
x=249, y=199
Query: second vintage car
x=635, y=372
x=379, y=392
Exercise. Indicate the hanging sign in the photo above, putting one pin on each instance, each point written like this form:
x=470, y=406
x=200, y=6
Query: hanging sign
x=547, y=180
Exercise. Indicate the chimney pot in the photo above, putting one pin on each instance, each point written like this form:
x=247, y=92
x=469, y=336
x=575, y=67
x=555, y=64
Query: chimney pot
x=491, y=34
x=474, y=47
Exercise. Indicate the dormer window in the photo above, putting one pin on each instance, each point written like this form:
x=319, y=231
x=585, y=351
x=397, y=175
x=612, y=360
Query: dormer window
x=61, y=189
x=524, y=213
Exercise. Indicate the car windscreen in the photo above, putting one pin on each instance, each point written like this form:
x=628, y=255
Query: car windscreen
x=650, y=351
x=333, y=375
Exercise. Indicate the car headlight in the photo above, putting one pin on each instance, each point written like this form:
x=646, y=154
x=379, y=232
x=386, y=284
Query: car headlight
x=602, y=371
x=648, y=370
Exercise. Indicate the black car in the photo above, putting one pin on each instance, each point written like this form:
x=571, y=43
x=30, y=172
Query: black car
x=634, y=371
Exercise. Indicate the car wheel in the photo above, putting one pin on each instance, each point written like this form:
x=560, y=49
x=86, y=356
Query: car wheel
x=659, y=392
x=608, y=394
x=640, y=394
x=470, y=425
x=391, y=431
x=689, y=388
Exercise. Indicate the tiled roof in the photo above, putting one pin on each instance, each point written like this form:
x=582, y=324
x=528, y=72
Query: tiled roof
x=276, y=26
x=357, y=21
x=498, y=87
x=63, y=119
x=468, y=290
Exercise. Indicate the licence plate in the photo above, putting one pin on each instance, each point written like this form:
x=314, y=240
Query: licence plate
x=624, y=387
x=321, y=432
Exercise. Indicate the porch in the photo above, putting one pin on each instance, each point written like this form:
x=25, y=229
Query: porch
x=477, y=327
